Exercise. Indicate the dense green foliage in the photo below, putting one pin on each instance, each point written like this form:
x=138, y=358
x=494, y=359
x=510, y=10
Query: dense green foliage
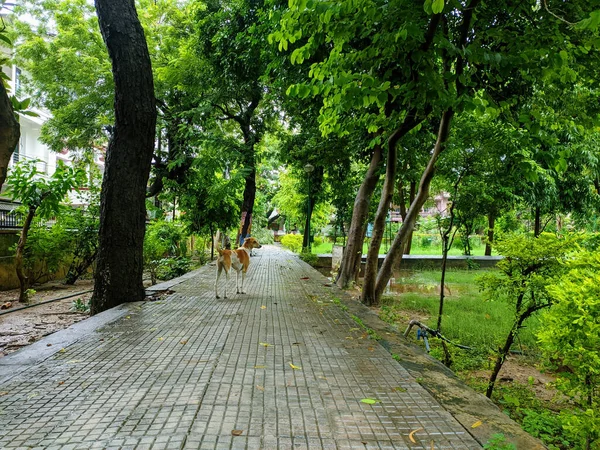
x=570, y=340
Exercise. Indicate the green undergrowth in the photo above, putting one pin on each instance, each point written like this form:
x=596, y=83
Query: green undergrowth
x=472, y=319
x=469, y=317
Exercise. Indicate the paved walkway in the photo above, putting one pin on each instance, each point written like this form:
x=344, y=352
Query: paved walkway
x=283, y=366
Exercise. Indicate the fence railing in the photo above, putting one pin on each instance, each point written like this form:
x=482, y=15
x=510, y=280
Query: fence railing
x=10, y=220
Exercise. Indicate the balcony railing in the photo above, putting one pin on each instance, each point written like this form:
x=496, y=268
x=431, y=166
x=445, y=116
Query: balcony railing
x=10, y=220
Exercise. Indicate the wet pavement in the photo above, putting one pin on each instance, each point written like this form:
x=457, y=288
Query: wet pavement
x=283, y=366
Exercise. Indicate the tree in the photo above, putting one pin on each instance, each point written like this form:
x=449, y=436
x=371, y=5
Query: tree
x=40, y=196
x=527, y=269
x=209, y=202
x=10, y=131
x=224, y=60
x=119, y=267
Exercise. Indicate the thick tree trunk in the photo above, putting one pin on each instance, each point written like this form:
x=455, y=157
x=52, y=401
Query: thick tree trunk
x=490, y=234
x=394, y=255
x=248, y=204
x=350, y=264
x=368, y=288
x=118, y=277
x=23, y=279
x=10, y=132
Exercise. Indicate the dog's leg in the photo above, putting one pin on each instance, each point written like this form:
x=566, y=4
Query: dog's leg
x=243, y=278
x=237, y=282
x=219, y=269
x=226, y=282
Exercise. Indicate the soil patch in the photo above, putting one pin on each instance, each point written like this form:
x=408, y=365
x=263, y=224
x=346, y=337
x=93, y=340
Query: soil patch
x=23, y=327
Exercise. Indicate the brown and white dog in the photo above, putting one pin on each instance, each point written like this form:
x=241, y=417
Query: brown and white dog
x=238, y=259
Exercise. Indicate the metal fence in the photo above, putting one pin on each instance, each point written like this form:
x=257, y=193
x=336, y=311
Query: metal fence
x=10, y=220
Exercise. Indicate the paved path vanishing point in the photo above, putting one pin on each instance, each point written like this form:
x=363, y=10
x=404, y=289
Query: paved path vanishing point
x=284, y=366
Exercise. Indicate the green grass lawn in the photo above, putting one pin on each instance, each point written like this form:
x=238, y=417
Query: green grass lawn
x=416, y=249
x=469, y=317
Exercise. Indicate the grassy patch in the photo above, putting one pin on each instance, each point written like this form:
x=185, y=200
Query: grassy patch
x=416, y=249
x=469, y=318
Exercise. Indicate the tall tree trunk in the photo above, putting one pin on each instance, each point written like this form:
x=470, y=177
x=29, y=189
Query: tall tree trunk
x=307, y=231
x=118, y=277
x=23, y=279
x=411, y=198
x=394, y=255
x=537, y=226
x=10, y=132
x=350, y=264
x=368, y=288
x=212, y=243
x=248, y=204
x=490, y=234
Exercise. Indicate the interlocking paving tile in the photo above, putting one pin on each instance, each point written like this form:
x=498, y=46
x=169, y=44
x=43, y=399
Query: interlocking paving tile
x=282, y=364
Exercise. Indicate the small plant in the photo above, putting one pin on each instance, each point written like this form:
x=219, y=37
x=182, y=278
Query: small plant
x=471, y=264
x=309, y=258
x=80, y=305
x=169, y=268
x=498, y=442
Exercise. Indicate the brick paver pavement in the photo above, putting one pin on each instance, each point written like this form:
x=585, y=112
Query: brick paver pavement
x=284, y=365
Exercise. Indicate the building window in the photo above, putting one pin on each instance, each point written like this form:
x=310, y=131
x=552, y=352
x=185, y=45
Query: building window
x=17, y=80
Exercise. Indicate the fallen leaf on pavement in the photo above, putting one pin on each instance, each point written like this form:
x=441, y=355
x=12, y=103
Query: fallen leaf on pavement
x=237, y=432
x=62, y=350
x=264, y=344
x=260, y=388
x=305, y=278
x=370, y=401
x=263, y=307
x=183, y=342
x=476, y=424
x=260, y=367
x=412, y=434
x=161, y=339
x=399, y=389
x=3, y=393
x=295, y=367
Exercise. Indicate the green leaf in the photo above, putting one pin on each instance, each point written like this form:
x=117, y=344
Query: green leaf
x=370, y=401
x=437, y=6
x=6, y=39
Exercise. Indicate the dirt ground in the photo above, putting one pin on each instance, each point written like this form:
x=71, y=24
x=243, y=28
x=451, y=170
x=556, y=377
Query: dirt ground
x=23, y=327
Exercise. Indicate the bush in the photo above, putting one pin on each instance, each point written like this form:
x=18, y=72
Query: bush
x=263, y=235
x=293, y=242
x=425, y=241
x=309, y=258
x=169, y=268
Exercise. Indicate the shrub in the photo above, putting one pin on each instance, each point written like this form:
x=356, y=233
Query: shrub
x=293, y=242
x=571, y=343
x=309, y=258
x=169, y=268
